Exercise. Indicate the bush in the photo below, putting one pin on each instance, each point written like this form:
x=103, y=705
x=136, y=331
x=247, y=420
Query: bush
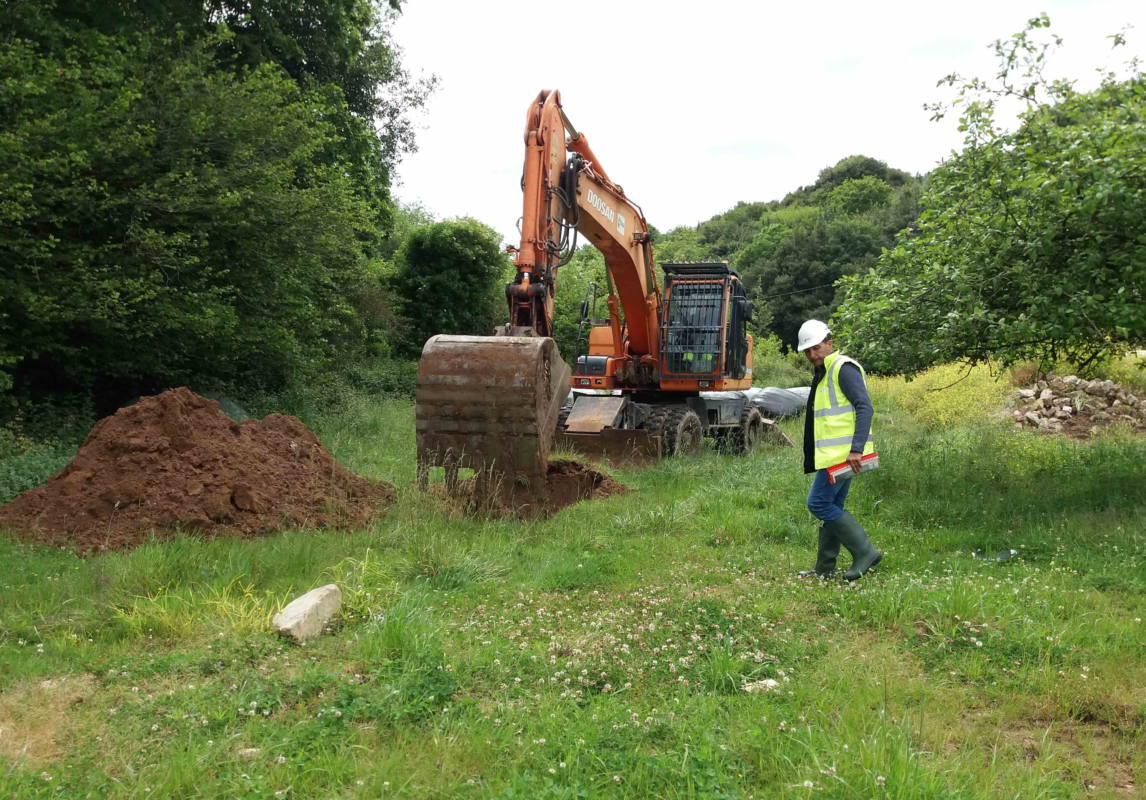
x=772, y=367
x=451, y=278
x=948, y=395
x=31, y=468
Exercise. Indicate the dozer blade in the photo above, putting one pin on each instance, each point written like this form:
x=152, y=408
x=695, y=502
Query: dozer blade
x=490, y=404
x=618, y=447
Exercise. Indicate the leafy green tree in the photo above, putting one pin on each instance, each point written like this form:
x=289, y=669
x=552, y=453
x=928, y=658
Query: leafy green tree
x=1032, y=242
x=858, y=196
x=726, y=233
x=345, y=44
x=679, y=244
x=587, y=266
x=797, y=269
x=451, y=279
x=184, y=201
x=790, y=252
x=167, y=221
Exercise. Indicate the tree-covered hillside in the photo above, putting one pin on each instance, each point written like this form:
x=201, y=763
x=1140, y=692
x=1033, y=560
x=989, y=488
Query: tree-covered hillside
x=792, y=251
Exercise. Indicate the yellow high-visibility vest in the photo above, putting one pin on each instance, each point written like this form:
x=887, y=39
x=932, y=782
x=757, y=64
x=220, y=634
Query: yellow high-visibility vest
x=835, y=416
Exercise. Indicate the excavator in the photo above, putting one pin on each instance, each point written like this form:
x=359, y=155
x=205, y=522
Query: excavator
x=651, y=381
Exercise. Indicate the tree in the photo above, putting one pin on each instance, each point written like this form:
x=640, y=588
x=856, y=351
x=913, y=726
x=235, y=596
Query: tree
x=1032, y=243
x=451, y=279
x=858, y=196
x=587, y=266
x=181, y=204
x=797, y=269
x=790, y=252
x=166, y=221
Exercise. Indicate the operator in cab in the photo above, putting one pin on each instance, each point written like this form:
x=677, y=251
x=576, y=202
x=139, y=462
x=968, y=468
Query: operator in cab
x=837, y=429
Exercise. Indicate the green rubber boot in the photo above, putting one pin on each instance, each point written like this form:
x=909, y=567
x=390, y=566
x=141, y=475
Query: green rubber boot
x=826, y=553
x=852, y=535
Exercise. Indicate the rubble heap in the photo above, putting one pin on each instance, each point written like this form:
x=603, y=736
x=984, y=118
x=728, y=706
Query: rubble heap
x=1077, y=407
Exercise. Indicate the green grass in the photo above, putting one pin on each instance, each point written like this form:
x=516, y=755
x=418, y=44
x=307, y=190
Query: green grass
x=601, y=653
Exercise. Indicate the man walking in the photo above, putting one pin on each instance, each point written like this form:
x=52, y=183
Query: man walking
x=837, y=429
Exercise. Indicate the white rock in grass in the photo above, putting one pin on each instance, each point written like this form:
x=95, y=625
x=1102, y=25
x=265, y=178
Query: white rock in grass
x=766, y=685
x=305, y=616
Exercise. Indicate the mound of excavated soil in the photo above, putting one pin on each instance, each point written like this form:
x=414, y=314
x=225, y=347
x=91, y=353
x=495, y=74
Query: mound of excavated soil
x=566, y=483
x=177, y=460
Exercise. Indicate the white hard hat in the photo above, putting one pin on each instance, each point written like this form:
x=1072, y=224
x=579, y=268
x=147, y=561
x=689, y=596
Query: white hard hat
x=811, y=334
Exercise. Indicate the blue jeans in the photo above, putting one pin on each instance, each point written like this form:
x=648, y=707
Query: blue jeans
x=826, y=500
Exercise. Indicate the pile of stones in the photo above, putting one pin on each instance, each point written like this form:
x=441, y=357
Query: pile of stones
x=1077, y=406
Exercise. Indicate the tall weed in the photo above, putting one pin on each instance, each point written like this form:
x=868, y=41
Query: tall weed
x=947, y=395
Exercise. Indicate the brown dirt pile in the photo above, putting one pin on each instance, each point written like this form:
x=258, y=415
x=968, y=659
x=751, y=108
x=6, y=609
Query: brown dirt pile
x=566, y=483
x=177, y=460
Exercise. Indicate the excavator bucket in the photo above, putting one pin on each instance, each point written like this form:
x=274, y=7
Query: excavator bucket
x=490, y=404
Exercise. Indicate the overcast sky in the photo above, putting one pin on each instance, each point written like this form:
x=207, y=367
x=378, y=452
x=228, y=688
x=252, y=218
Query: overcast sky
x=693, y=106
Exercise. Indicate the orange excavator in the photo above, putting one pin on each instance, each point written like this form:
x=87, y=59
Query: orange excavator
x=500, y=404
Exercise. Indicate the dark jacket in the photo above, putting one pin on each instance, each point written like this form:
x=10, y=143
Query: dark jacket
x=851, y=383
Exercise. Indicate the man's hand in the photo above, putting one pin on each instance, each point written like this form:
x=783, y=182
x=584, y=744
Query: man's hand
x=854, y=461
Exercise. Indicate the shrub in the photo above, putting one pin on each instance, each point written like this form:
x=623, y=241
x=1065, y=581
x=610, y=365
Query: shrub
x=947, y=395
x=450, y=279
x=773, y=367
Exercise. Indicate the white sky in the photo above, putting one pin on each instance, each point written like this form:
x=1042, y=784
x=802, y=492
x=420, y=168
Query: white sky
x=693, y=106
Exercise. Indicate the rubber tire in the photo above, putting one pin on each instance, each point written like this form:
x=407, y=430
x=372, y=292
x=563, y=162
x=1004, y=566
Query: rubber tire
x=655, y=421
x=748, y=436
x=684, y=435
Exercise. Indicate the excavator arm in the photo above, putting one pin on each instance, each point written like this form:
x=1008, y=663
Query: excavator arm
x=567, y=192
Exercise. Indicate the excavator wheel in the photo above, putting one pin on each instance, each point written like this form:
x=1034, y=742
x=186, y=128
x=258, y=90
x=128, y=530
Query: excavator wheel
x=751, y=430
x=655, y=422
x=683, y=433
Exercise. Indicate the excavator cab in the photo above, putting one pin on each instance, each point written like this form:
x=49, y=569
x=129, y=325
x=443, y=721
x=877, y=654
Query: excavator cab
x=704, y=348
x=704, y=338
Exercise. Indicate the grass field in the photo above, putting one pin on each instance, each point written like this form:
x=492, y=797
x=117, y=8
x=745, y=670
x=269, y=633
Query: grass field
x=603, y=652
